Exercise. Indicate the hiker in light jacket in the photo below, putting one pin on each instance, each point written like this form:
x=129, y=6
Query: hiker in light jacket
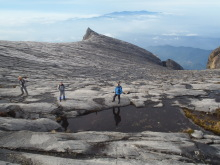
x=61, y=88
x=118, y=92
x=23, y=85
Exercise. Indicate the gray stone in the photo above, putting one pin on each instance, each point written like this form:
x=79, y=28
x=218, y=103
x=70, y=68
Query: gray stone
x=7, y=163
x=142, y=148
x=51, y=160
x=172, y=65
x=197, y=134
x=39, y=125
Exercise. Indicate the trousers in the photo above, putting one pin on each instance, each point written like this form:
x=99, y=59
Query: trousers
x=23, y=88
x=62, y=93
x=115, y=97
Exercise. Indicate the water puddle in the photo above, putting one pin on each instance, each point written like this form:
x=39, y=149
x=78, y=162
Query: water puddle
x=132, y=119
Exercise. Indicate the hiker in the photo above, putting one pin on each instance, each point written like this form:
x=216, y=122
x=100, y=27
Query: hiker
x=61, y=88
x=117, y=116
x=118, y=92
x=23, y=85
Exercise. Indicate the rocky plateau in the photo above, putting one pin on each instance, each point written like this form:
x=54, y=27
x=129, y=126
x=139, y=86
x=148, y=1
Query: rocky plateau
x=90, y=69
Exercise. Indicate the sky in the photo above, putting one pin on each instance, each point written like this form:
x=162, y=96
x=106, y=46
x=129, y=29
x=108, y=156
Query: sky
x=192, y=23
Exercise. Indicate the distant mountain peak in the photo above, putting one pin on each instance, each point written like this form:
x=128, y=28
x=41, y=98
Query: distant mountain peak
x=89, y=33
x=131, y=13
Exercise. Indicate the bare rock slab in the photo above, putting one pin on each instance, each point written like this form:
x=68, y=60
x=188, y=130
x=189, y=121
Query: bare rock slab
x=38, y=125
x=106, y=147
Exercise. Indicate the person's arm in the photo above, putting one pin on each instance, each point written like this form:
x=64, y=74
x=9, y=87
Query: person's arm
x=121, y=90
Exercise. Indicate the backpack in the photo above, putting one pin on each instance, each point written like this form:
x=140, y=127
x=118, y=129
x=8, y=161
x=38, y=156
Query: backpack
x=119, y=89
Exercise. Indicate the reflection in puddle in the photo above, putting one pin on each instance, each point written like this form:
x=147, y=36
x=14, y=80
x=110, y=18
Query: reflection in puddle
x=117, y=116
x=63, y=122
x=132, y=119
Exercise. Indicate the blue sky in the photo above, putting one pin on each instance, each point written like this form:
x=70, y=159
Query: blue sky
x=66, y=20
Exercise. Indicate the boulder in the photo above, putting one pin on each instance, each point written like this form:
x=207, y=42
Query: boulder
x=214, y=59
x=39, y=125
x=172, y=65
x=197, y=134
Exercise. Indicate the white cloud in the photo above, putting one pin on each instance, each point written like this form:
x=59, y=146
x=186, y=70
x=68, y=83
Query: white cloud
x=180, y=33
x=170, y=34
x=109, y=35
x=18, y=18
x=156, y=38
x=191, y=34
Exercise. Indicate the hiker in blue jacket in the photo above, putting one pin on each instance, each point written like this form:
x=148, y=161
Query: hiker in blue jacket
x=118, y=92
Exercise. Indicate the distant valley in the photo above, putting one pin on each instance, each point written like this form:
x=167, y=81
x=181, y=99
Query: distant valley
x=189, y=58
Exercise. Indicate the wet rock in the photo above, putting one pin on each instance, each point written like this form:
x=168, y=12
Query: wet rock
x=138, y=102
x=158, y=105
x=39, y=125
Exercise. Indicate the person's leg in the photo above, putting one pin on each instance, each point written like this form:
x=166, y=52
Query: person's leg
x=26, y=90
x=118, y=113
x=114, y=98
x=114, y=111
x=22, y=91
x=64, y=98
x=60, y=96
x=118, y=99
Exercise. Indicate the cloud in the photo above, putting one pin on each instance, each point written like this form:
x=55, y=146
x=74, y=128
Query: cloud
x=170, y=34
x=109, y=35
x=191, y=34
x=19, y=18
x=180, y=33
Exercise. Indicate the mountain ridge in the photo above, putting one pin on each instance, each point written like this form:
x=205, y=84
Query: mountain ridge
x=96, y=56
x=188, y=57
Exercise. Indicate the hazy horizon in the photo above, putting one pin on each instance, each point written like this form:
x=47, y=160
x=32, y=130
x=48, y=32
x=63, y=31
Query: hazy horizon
x=177, y=23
